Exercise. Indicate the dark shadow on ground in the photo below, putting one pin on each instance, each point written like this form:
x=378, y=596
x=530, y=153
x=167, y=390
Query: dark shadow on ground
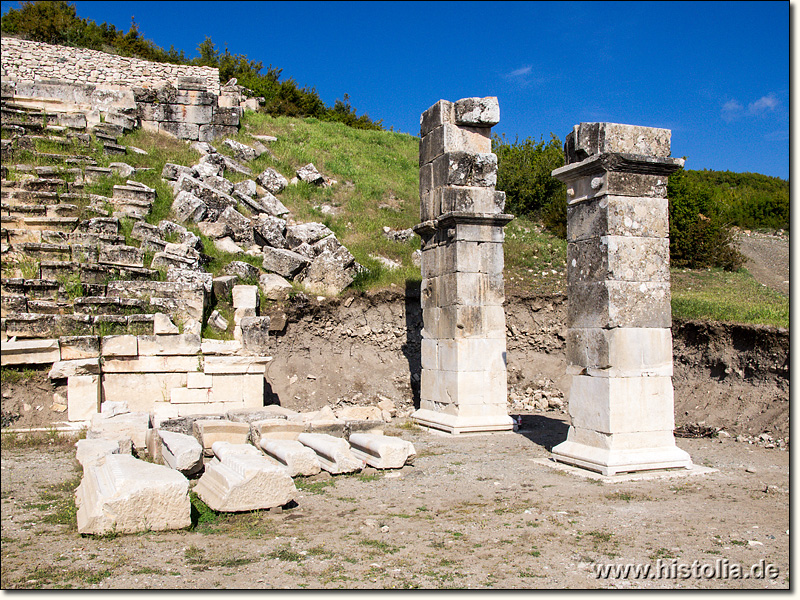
x=412, y=349
x=543, y=431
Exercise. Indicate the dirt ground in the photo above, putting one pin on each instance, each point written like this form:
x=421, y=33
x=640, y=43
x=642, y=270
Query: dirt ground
x=472, y=512
x=767, y=258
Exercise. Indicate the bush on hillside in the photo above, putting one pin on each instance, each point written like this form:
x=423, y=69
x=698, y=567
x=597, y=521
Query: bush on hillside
x=699, y=235
x=524, y=175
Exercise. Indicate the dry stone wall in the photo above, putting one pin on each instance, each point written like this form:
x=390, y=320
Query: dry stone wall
x=25, y=60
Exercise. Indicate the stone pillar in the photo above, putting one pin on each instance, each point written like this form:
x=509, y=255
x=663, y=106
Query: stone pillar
x=463, y=384
x=619, y=342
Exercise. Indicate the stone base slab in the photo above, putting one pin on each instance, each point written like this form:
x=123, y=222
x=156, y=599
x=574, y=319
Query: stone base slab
x=624, y=477
x=611, y=461
x=462, y=424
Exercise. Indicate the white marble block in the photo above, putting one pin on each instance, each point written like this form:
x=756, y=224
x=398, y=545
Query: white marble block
x=334, y=453
x=181, y=452
x=297, y=458
x=381, y=451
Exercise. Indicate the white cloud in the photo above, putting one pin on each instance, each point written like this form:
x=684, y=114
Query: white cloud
x=731, y=110
x=519, y=72
x=778, y=136
x=763, y=104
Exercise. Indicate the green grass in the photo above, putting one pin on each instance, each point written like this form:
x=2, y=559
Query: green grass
x=726, y=296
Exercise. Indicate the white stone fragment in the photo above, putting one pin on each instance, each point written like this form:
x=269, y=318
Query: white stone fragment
x=220, y=430
x=181, y=452
x=382, y=452
x=91, y=453
x=162, y=324
x=297, y=458
x=333, y=453
x=131, y=426
x=240, y=478
x=126, y=495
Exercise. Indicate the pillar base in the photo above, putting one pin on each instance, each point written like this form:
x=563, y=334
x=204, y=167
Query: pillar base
x=460, y=424
x=610, y=461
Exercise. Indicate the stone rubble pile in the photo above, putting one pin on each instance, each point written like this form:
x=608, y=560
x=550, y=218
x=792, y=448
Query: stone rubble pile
x=121, y=493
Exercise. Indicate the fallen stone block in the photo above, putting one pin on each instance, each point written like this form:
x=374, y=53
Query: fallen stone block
x=333, y=453
x=209, y=431
x=294, y=456
x=131, y=426
x=382, y=452
x=91, y=453
x=277, y=428
x=272, y=181
x=181, y=452
x=240, y=478
x=360, y=413
x=70, y=368
x=29, y=352
x=126, y=495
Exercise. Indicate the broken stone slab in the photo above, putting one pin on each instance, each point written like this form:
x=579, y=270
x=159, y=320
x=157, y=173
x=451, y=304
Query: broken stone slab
x=239, y=224
x=188, y=207
x=190, y=276
x=219, y=183
x=330, y=272
x=70, y=368
x=310, y=174
x=274, y=286
x=269, y=231
x=29, y=352
x=162, y=324
x=126, y=495
x=172, y=171
x=227, y=244
x=208, y=431
x=284, y=262
x=382, y=452
x=333, y=453
x=277, y=427
x=221, y=347
x=255, y=335
x=242, y=270
x=241, y=151
x=477, y=112
x=217, y=321
x=297, y=459
x=272, y=181
x=308, y=233
x=273, y=206
x=92, y=453
x=132, y=425
x=181, y=452
x=240, y=478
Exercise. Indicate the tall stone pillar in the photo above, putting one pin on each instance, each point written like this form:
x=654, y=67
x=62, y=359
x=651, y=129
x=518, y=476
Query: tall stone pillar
x=463, y=384
x=619, y=342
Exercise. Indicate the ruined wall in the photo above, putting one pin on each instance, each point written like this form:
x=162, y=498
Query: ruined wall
x=24, y=60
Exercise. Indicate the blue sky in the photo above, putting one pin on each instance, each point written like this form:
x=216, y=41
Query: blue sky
x=715, y=73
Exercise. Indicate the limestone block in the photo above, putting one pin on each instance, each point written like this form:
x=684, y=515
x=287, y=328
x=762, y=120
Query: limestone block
x=478, y=232
x=126, y=495
x=360, y=413
x=619, y=304
x=470, y=257
x=618, y=258
x=241, y=479
x=162, y=324
x=620, y=352
x=269, y=231
x=132, y=425
x=83, y=397
x=168, y=345
x=588, y=139
x=622, y=404
x=209, y=431
x=277, y=428
x=477, y=112
x=141, y=389
x=29, y=352
x=223, y=347
x=189, y=396
x=382, y=451
x=255, y=335
x=223, y=285
x=466, y=289
x=197, y=380
x=451, y=138
x=246, y=389
x=469, y=199
x=299, y=460
x=594, y=185
x=492, y=418
x=79, y=347
x=245, y=296
x=164, y=411
x=284, y=262
x=462, y=389
x=220, y=365
x=437, y=115
x=272, y=181
x=119, y=345
x=464, y=355
x=153, y=364
x=274, y=286
x=618, y=215
x=91, y=453
x=197, y=409
x=69, y=368
x=181, y=452
x=464, y=169
x=188, y=207
x=121, y=255
x=306, y=233
x=182, y=131
x=430, y=354
x=333, y=453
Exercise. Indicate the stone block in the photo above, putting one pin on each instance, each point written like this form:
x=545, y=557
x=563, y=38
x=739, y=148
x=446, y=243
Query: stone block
x=209, y=431
x=240, y=478
x=119, y=345
x=622, y=404
x=181, y=452
x=464, y=169
x=382, y=451
x=430, y=354
x=92, y=453
x=70, y=368
x=277, y=428
x=274, y=286
x=333, y=453
x=451, y=138
x=83, y=397
x=78, y=347
x=188, y=207
x=618, y=215
x=360, y=413
x=610, y=304
x=227, y=365
x=132, y=426
x=126, y=495
x=477, y=112
x=245, y=389
x=220, y=347
x=168, y=345
x=182, y=131
x=464, y=355
x=245, y=296
x=223, y=285
x=620, y=352
x=284, y=262
x=163, y=325
x=618, y=258
x=297, y=459
x=121, y=255
x=466, y=289
x=142, y=390
x=437, y=115
x=196, y=380
x=181, y=395
x=590, y=139
x=255, y=335
x=469, y=199
x=29, y=352
x=465, y=388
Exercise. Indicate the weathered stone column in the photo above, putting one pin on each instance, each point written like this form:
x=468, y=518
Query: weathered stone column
x=463, y=385
x=619, y=342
